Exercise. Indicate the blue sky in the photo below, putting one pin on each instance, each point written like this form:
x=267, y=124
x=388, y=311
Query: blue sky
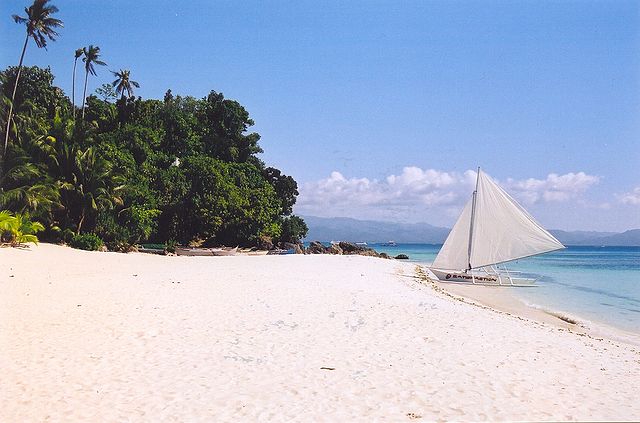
x=380, y=109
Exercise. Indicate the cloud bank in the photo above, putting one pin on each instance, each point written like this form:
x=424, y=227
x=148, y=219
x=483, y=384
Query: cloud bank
x=414, y=190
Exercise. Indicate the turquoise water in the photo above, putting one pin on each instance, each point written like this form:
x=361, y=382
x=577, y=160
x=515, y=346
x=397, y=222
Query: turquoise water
x=600, y=284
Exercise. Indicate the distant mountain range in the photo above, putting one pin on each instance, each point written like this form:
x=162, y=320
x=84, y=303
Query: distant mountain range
x=347, y=229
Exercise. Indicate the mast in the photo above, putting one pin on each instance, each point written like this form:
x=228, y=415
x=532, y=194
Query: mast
x=473, y=213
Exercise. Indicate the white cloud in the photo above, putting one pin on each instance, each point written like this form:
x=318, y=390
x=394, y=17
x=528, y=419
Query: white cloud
x=632, y=198
x=555, y=188
x=413, y=186
x=416, y=191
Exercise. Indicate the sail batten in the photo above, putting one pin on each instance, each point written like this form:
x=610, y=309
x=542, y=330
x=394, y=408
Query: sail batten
x=498, y=230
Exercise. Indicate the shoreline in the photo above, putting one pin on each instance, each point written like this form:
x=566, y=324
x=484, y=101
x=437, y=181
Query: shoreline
x=503, y=300
x=115, y=337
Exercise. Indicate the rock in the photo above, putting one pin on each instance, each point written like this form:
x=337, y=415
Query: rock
x=265, y=243
x=298, y=249
x=384, y=255
x=316, y=247
x=286, y=245
x=334, y=249
x=402, y=257
x=103, y=249
x=349, y=248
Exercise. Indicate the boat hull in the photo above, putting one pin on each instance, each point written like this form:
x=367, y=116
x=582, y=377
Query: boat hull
x=193, y=252
x=481, y=278
x=224, y=251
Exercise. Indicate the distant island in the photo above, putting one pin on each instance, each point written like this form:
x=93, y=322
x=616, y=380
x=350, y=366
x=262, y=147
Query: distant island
x=343, y=228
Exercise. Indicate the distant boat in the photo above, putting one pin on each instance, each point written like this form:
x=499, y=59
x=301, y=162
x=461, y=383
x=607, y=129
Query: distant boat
x=362, y=244
x=224, y=251
x=193, y=252
x=492, y=229
x=389, y=244
x=277, y=252
x=198, y=252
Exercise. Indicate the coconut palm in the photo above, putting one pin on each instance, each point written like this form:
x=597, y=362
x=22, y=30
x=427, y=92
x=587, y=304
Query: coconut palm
x=123, y=83
x=78, y=53
x=24, y=183
x=40, y=26
x=91, y=57
x=89, y=184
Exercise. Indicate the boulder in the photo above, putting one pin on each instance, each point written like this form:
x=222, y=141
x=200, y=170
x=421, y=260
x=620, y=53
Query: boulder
x=316, y=247
x=349, y=247
x=298, y=249
x=334, y=249
x=402, y=257
x=265, y=243
x=286, y=245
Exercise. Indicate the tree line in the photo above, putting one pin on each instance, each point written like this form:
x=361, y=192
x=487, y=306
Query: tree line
x=132, y=170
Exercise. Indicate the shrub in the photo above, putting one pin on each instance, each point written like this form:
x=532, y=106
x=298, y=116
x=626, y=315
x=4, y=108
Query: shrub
x=170, y=246
x=18, y=229
x=89, y=242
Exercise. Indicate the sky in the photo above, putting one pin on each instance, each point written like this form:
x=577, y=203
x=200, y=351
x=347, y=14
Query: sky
x=384, y=109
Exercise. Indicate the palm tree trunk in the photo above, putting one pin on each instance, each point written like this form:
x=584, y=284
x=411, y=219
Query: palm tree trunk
x=13, y=97
x=84, y=93
x=80, y=222
x=73, y=89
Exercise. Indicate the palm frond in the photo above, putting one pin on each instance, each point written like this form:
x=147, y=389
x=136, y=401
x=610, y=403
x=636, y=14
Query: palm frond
x=19, y=19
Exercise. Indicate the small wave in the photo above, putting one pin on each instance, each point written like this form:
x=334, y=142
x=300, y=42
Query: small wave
x=562, y=315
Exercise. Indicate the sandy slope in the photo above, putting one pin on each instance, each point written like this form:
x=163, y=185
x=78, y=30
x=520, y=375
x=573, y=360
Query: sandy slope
x=113, y=337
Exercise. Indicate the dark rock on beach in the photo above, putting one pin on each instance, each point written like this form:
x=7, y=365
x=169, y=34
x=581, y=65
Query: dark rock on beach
x=316, y=247
x=335, y=249
x=343, y=248
x=402, y=257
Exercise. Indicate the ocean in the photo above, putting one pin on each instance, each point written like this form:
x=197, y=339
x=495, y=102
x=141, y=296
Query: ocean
x=598, y=284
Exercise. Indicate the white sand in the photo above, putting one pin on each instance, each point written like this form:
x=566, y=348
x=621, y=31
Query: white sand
x=113, y=337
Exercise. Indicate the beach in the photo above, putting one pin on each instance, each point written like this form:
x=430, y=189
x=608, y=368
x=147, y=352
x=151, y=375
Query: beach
x=90, y=336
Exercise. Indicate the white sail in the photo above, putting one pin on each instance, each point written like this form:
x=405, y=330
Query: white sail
x=499, y=228
x=454, y=253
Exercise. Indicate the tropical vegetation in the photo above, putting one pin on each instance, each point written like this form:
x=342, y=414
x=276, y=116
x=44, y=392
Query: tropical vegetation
x=18, y=229
x=129, y=170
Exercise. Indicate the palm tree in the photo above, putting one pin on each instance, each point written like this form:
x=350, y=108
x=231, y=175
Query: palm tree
x=123, y=83
x=39, y=24
x=78, y=53
x=91, y=57
x=89, y=184
x=24, y=183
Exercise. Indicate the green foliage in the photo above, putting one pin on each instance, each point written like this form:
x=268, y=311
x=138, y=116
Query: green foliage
x=129, y=226
x=36, y=96
x=285, y=186
x=107, y=93
x=88, y=241
x=293, y=229
x=134, y=170
x=18, y=229
x=226, y=203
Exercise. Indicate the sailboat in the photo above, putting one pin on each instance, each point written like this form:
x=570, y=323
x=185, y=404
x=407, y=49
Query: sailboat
x=492, y=229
